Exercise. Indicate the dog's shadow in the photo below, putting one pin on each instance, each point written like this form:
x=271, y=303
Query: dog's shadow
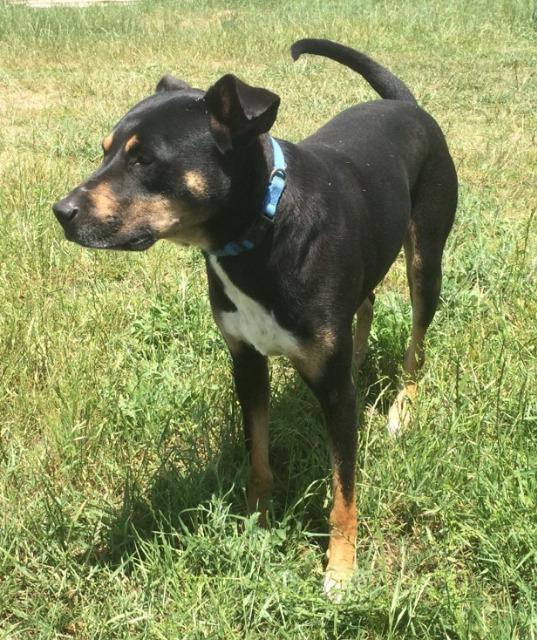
x=168, y=502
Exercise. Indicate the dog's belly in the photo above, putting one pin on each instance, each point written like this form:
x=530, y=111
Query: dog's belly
x=253, y=323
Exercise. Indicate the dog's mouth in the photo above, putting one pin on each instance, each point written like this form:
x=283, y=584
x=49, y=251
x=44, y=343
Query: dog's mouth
x=139, y=242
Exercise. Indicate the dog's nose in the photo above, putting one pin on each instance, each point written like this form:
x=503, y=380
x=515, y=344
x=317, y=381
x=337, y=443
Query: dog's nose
x=65, y=210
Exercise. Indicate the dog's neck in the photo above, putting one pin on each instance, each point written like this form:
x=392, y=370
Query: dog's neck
x=249, y=178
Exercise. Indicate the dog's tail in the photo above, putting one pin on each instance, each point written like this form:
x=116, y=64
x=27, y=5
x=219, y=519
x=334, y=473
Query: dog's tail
x=383, y=81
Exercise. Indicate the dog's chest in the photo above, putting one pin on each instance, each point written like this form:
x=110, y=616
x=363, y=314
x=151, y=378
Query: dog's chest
x=252, y=322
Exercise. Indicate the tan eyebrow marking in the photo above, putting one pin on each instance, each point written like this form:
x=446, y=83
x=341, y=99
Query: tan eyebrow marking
x=196, y=182
x=131, y=142
x=107, y=142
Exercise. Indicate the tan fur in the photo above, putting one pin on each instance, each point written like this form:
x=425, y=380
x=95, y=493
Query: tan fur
x=260, y=477
x=313, y=354
x=400, y=412
x=342, y=546
x=163, y=215
x=196, y=183
x=105, y=204
x=414, y=354
x=192, y=236
x=168, y=219
x=108, y=142
x=364, y=318
x=131, y=142
x=160, y=213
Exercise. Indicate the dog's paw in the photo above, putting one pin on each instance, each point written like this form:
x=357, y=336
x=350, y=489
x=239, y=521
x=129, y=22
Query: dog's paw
x=336, y=581
x=400, y=414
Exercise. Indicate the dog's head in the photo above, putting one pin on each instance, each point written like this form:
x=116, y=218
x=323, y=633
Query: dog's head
x=168, y=166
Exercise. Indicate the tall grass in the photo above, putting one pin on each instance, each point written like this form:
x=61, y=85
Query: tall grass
x=122, y=511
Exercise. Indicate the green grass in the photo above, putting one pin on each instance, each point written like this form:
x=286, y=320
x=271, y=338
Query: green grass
x=122, y=510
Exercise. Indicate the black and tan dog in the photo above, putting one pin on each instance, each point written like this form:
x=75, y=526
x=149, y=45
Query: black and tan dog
x=296, y=237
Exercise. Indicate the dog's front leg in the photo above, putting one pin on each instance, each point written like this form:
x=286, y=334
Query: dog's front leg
x=330, y=379
x=250, y=372
x=339, y=407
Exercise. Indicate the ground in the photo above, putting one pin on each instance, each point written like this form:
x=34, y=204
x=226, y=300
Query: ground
x=121, y=458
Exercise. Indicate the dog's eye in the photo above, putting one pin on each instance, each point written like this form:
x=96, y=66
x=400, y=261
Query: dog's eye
x=141, y=159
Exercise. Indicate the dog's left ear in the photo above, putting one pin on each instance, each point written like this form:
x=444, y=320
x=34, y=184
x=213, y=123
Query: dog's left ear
x=169, y=83
x=239, y=112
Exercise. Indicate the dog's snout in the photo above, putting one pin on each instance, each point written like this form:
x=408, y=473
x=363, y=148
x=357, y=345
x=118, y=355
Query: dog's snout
x=65, y=210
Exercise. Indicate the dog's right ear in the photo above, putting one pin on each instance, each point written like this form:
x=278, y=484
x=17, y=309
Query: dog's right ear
x=169, y=83
x=239, y=112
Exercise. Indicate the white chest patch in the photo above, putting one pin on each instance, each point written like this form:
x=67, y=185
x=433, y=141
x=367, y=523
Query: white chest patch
x=252, y=323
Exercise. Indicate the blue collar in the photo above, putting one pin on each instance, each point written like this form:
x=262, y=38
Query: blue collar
x=262, y=223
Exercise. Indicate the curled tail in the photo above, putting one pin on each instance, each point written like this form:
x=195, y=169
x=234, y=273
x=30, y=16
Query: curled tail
x=383, y=81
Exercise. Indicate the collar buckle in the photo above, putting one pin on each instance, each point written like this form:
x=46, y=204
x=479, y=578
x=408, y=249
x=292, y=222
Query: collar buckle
x=277, y=172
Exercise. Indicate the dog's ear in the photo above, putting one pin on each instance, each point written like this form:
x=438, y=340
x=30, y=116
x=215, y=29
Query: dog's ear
x=169, y=83
x=238, y=112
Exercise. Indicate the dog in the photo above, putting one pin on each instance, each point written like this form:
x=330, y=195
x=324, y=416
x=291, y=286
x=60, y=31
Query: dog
x=296, y=237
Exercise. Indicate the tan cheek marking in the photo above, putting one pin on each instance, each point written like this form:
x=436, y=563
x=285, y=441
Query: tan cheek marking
x=165, y=217
x=196, y=183
x=104, y=201
x=157, y=212
x=108, y=142
x=131, y=142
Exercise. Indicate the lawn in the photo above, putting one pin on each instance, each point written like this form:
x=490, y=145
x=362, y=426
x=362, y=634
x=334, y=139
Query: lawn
x=122, y=467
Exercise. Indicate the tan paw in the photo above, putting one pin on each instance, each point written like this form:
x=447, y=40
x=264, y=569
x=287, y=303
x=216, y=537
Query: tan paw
x=336, y=581
x=400, y=414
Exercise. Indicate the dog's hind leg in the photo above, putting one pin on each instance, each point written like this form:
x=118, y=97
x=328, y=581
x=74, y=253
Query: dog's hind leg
x=364, y=318
x=433, y=212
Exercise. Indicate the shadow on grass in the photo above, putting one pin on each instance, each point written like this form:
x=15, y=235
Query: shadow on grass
x=168, y=502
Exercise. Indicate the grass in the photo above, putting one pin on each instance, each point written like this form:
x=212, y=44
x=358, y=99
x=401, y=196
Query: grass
x=122, y=511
